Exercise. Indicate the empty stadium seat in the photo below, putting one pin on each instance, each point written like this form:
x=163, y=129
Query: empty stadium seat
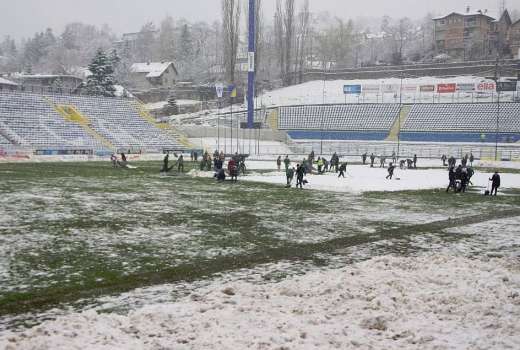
x=36, y=123
x=341, y=117
x=463, y=117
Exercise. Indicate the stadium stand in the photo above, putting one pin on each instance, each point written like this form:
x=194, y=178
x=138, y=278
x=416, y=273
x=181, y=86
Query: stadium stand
x=339, y=121
x=464, y=122
x=99, y=123
x=4, y=141
x=453, y=122
x=362, y=117
x=33, y=122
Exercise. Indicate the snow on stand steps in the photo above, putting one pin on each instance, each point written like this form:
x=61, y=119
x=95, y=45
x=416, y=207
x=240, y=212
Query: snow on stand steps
x=426, y=302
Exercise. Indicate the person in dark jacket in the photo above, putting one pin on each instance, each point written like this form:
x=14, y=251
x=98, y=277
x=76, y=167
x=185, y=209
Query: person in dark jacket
x=342, y=170
x=415, y=161
x=495, y=182
x=464, y=179
x=471, y=159
x=279, y=162
x=300, y=171
x=451, y=177
x=443, y=158
x=180, y=163
x=290, y=175
x=219, y=164
x=458, y=172
x=165, y=167
x=287, y=162
x=364, y=158
x=221, y=175
x=372, y=159
x=390, y=170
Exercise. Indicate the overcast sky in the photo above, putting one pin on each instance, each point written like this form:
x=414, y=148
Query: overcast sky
x=21, y=18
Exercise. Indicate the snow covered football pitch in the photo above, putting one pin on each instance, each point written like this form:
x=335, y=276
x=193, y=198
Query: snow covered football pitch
x=111, y=259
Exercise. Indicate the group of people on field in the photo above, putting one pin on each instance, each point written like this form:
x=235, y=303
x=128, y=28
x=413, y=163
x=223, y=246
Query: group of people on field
x=409, y=163
x=116, y=163
x=459, y=176
x=467, y=159
x=309, y=164
x=235, y=166
x=166, y=168
x=215, y=162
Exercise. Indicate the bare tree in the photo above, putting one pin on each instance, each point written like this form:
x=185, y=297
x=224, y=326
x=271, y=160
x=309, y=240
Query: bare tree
x=289, y=37
x=231, y=29
x=400, y=33
x=301, y=39
x=284, y=32
x=279, y=34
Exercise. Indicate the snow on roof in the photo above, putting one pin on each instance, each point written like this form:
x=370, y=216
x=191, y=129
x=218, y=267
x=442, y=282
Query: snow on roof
x=153, y=69
x=469, y=13
x=7, y=82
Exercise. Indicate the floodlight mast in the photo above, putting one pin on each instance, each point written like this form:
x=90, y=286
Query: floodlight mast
x=251, y=66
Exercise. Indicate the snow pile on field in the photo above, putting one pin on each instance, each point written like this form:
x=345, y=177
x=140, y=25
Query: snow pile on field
x=360, y=179
x=428, y=302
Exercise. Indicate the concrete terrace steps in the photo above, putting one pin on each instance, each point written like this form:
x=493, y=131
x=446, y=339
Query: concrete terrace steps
x=69, y=113
x=179, y=136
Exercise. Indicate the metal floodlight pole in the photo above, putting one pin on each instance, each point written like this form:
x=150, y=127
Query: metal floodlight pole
x=322, y=114
x=231, y=126
x=497, y=78
x=251, y=66
x=498, y=125
x=218, y=124
x=399, y=116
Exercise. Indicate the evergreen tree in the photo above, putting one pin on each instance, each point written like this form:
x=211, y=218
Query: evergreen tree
x=171, y=108
x=102, y=81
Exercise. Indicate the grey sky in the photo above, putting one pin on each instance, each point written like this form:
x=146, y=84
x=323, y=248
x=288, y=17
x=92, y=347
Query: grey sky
x=21, y=18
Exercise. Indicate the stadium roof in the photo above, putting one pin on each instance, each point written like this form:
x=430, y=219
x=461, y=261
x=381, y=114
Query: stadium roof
x=153, y=69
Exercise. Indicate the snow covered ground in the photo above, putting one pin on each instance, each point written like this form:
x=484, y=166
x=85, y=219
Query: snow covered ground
x=331, y=91
x=161, y=104
x=433, y=301
x=361, y=179
x=245, y=145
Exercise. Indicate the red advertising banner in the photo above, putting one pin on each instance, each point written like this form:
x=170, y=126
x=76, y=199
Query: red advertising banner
x=486, y=86
x=446, y=88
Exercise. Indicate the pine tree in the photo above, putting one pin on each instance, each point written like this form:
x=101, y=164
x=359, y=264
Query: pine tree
x=171, y=108
x=102, y=81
